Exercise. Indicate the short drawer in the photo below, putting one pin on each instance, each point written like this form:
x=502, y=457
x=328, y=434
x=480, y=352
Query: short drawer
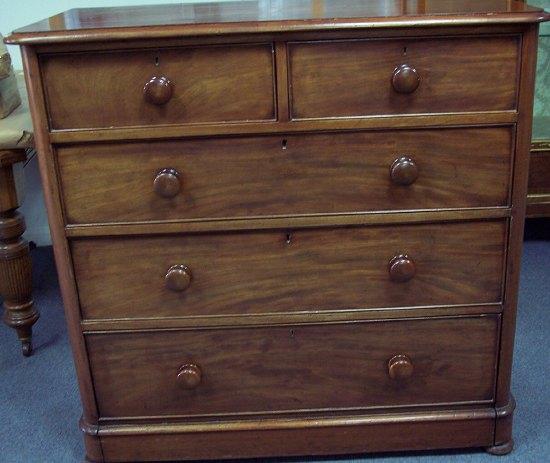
x=159, y=86
x=286, y=175
x=300, y=270
x=350, y=78
x=293, y=368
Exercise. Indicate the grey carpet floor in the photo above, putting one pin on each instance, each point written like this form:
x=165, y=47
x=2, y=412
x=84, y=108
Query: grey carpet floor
x=40, y=408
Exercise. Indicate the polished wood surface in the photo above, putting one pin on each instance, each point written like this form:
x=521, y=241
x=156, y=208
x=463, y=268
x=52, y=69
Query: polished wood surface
x=539, y=168
x=272, y=370
x=90, y=326
x=538, y=197
x=462, y=430
x=401, y=268
x=167, y=183
x=313, y=436
x=66, y=280
x=358, y=78
x=15, y=260
x=156, y=21
x=158, y=90
x=294, y=174
x=404, y=171
x=189, y=376
x=285, y=222
x=178, y=278
x=400, y=367
x=405, y=79
x=232, y=187
x=298, y=270
x=280, y=127
x=240, y=87
x=503, y=425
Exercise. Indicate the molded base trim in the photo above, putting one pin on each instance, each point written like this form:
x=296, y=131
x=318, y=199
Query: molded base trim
x=503, y=443
x=417, y=430
x=501, y=449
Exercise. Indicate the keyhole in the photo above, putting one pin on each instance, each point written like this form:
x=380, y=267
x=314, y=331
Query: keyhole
x=157, y=60
x=404, y=51
x=288, y=239
x=284, y=143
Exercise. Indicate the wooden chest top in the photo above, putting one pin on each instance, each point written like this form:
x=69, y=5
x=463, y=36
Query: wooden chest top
x=260, y=16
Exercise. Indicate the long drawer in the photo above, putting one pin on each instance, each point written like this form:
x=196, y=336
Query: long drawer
x=351, y=78
x=301, y=270
x=297, y=174
x=189, y=85
x=311, y=367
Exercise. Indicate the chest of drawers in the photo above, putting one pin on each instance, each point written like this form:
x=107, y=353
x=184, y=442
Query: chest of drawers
x=287, y=228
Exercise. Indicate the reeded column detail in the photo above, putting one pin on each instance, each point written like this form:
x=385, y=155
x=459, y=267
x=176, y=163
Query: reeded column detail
x=15, y=260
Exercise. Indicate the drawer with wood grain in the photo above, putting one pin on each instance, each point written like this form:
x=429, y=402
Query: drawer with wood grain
x=290, y=271
x=293, y=368
x=286, y=175
x=351, y=78
x=159, y=86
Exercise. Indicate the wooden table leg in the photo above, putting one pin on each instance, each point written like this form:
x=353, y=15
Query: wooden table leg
x=15, y=260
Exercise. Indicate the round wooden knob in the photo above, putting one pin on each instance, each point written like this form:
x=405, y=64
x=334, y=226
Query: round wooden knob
x=167, y=183
x=189, y=376
x=158, y=90
x=405, y=79
x=178, y=278
x=400, y=367
x=404, y=171
x=401, y=268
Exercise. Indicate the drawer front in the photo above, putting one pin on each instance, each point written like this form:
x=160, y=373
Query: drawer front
x=297, y=174
x=315, y=367
x=403, y=76
x=302, y=270
x=206, y=84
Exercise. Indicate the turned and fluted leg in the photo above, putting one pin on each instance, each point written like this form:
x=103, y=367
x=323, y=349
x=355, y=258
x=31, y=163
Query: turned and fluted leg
x=15, y=260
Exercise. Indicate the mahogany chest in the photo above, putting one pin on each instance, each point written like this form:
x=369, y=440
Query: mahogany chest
x=287, y=227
